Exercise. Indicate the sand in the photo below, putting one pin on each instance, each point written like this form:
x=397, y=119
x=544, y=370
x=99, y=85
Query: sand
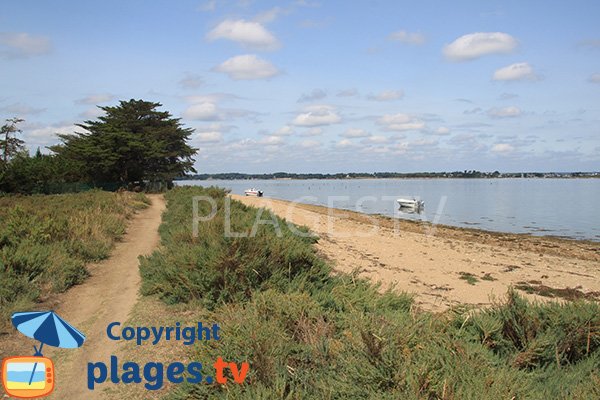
x=445, y=266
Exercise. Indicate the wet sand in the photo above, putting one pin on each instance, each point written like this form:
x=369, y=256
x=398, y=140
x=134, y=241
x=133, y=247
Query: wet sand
x=442, y=265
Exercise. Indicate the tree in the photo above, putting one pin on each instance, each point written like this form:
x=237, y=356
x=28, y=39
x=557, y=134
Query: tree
x=10, y=145
x=132, y=142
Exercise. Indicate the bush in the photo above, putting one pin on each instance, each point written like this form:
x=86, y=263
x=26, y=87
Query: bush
x=45, y=242
x=308, y=334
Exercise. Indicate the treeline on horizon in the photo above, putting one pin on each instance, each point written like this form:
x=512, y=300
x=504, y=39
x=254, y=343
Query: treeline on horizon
x=133, y=145
x=384, y=175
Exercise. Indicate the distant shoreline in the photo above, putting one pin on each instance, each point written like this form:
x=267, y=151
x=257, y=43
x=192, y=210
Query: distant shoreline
x=392, y=175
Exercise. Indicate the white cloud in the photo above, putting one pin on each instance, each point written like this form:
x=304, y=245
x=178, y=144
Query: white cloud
x=46, y=135
x=208, y=137
x=442, y=131
x=250, y=34
x=316, y=131
x=284, y=131
x=377, y=139
x=595, y=78
x=502, y=148
x=92, y=113
x=272, y=140
x=95, y=99
x=504, y=112
x=205, y=111
x=317, y=115
x=247, y=67
x=23, y=45
x=387, y=95
x=400, y=122
x=345, y=143
x=316, y=94
x=407, y=37
x=515, y=72
x=475, y=45
x=309, y=144
x=353, y=133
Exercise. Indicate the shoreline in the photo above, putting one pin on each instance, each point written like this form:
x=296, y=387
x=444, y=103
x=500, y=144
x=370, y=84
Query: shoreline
x=446, y=265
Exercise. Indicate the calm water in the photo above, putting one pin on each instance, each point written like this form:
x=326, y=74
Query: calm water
x=560, y=207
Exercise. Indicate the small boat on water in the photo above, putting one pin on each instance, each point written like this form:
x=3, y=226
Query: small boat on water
x=253, y=192
x=411, y=203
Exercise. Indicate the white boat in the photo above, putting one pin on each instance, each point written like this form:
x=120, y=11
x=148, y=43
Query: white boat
x=253, y=192
x=411, y=203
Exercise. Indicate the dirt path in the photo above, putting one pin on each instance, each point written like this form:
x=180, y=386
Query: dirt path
x=108, y=295
x=434, y=264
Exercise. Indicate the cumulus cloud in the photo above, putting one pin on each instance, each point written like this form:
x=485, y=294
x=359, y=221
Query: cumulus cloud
x=247, y=67
x=316, y=131
x=205, y=111
x=316, y=94
x=595, y=78
x=376, y=139
x=23, y=45
x=272, y=140
x=208, y=137
x=317, y=115
x=94, y=99
x=515, y=72
x=387, y=95
x=475, y=45
x=504, y=112
x=284, y=131
x=310, y=144
x=249, y=34
x=91, y=113
x=40, y=136
x=407, y=37
x=502, y=148
x=345, y=143
x=353, y=133
x=400, y=122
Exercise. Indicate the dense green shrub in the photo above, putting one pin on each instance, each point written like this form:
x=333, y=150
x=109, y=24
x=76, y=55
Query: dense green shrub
x=309, y=334
x=45, y=241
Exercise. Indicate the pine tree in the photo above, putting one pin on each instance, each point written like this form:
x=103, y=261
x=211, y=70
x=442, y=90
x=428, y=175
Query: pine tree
x=132, y=142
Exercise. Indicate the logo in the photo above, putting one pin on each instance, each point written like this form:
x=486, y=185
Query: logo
x=29, y=377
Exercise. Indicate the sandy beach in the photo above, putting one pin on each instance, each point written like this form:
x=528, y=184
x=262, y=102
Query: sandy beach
x=442, y=265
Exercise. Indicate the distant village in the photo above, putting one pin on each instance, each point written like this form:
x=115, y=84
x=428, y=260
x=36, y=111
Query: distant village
x=388, y=175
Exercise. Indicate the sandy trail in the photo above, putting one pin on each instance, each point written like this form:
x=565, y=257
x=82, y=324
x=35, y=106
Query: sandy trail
x=108, y=295
x=430, y=263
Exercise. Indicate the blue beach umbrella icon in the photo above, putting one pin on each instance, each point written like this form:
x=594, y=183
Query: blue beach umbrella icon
x=48, y=328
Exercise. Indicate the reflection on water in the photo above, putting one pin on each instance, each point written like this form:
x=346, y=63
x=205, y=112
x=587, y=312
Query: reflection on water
x=535, y=206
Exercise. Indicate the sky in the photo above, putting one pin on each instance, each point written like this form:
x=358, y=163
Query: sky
x=320, y=86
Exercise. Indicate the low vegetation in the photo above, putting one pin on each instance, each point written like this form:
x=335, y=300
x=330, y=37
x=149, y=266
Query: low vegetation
x=45, y=242
x=309, y=334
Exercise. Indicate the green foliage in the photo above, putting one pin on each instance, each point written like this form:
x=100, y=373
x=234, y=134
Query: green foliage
x=309, y=334
x=45, y=242
x=130, y=143
x=10, y=145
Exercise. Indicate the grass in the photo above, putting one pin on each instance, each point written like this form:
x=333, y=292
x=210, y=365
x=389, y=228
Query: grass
x=469, y=277
x=309, y=334
x=45, y=242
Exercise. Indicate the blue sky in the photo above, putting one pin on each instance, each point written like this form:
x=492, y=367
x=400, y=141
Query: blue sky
x=321, y=86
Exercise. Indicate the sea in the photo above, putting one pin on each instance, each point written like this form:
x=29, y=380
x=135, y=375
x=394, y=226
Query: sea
x=566, y=208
